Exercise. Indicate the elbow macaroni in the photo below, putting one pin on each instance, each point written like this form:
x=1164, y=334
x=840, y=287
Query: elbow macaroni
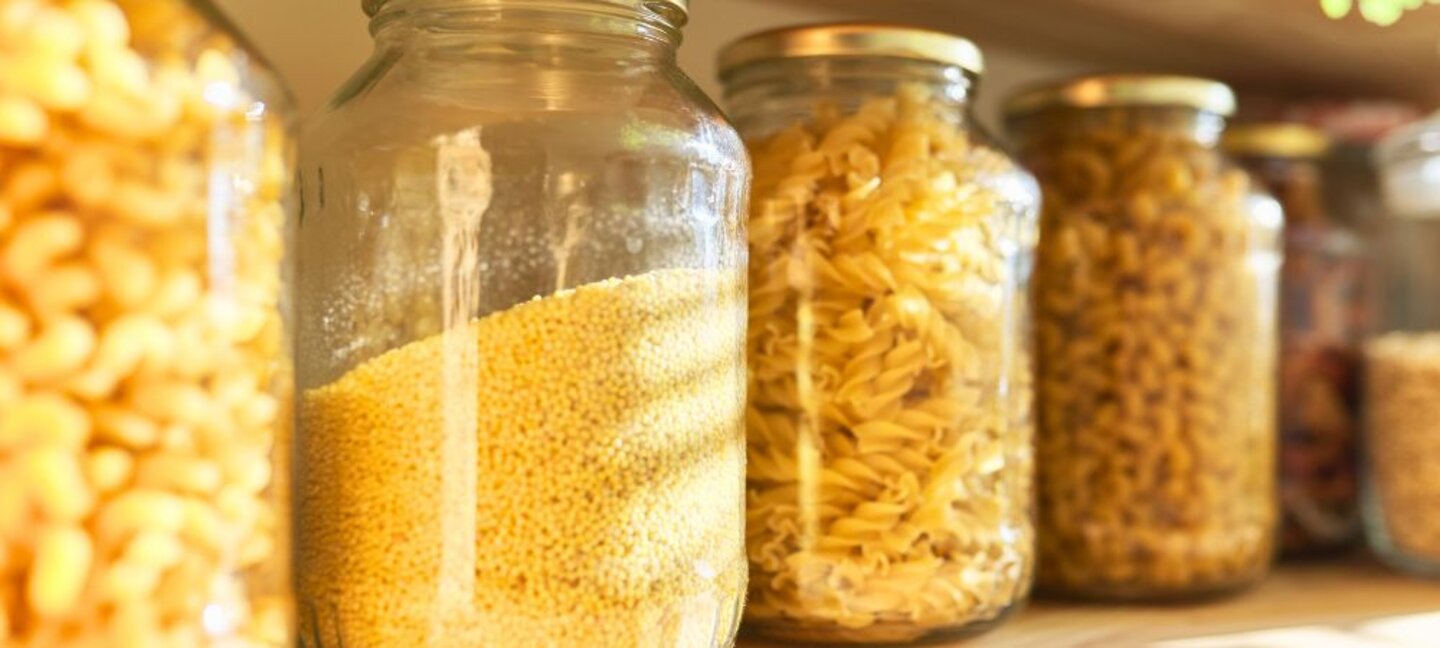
x=140, y=251
x=1155, y=320
x=889, y=468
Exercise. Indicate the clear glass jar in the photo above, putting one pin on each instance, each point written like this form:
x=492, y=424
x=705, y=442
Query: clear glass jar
x=145, y=157
x=1402, y=362
x=890, y=468
x=1324, y=318
x=1155, y=297
x=521, y=336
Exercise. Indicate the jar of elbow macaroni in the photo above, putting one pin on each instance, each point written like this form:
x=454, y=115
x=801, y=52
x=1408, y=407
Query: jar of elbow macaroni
x=1156, y=315
x=144, y=164
x=890, y=463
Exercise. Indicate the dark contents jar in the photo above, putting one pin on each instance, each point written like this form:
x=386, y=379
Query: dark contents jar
x=1323, y=321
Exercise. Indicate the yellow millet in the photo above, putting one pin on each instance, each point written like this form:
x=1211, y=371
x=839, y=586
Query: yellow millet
x=564, y=473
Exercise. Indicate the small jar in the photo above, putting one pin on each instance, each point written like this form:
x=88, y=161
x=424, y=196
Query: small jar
x=1402, y=362
x=145, y=160
x=1155, y=298
x=890, y=465
x=1323, y=320
x=521, y=336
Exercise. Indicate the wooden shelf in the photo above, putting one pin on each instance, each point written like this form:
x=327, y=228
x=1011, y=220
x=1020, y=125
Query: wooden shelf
x=1346, y=605
x=1282, y=46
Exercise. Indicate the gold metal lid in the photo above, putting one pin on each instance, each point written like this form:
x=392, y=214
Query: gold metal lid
x=1126, y=90
x=372, y=7
x=852, y=39
x=1275, y=139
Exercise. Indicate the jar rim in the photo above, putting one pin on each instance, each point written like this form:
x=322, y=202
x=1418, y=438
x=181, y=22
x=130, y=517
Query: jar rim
x=1275, y=139
x=1417, y=140
x=852, y=39
x=373, y=7
x=1115, y=90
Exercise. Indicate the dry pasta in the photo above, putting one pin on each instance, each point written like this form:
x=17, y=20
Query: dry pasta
x=1155, y=317
x=888, y=478
x=141, y=216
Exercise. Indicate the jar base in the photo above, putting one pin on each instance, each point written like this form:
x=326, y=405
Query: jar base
x=1350, y=548
x=1398, y=561
x=1144, y=596
x=880, y=635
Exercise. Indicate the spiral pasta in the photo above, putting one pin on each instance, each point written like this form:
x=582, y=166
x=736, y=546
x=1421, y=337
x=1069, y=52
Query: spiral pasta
x=889, y=459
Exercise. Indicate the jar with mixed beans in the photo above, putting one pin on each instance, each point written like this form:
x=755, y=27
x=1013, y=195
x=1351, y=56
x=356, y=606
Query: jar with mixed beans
x=1155, y=309
x=1401, y=476
x=1324, y=316
x=890, y=470
x=521, y=315
x=144, y=378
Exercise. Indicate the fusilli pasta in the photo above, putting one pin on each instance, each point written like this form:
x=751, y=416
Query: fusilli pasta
x=890, y=464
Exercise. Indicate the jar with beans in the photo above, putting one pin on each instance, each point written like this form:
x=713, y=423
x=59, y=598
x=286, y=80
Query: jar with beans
x=520, y=326
x=1323, y=319
x=1401, y=484
x=890, y=461
x=144, y=379
x=1155, y=300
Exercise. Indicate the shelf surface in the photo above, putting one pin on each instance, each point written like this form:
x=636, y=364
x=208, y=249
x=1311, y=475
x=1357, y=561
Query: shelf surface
x=1355, y=604
x=1282, y=46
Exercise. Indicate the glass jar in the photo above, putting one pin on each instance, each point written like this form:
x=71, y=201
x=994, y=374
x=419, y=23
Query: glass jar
x=145, y=157
x=1155, y=297
x=1323, y=319
x=1402, y=362
x=890, y=467
x=521, y=336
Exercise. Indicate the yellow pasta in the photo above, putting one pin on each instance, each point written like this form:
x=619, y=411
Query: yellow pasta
x=889, y=431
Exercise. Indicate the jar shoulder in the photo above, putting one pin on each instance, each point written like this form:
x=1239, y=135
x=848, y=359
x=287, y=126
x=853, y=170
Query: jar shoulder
x=400, y=100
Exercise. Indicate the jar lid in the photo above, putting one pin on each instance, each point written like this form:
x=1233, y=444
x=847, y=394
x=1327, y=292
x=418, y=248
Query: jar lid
x=852, y=39
x=1109, y=90
x=1275, y=139
x=372, y=7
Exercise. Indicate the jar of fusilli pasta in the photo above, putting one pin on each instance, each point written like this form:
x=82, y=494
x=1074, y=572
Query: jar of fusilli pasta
x=889, y=475
x=1155, y=312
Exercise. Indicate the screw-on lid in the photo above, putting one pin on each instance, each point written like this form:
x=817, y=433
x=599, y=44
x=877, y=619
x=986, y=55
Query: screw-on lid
x=852, y=39
x=373, y=7
x=1108, y=90
x=1275, y=139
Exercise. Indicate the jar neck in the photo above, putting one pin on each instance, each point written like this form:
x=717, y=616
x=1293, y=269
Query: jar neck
x=1295, y=182
x=529, y=29
x=1176, y=123
x=768, y=96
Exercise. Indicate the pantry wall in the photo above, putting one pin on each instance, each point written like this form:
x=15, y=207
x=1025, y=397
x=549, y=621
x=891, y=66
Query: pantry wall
x=317, y=43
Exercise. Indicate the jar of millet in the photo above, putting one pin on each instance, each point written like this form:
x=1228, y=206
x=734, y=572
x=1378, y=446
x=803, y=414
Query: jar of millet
x=521, y=324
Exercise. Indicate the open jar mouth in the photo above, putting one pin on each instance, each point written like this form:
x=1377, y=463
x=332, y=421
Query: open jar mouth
x=373, y=7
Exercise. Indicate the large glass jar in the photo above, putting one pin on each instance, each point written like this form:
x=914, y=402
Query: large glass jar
x=144, y=379
x=1323, y=319
x=521, y=336
x=890, y=468
x=1155, y=315
x=1402, y=363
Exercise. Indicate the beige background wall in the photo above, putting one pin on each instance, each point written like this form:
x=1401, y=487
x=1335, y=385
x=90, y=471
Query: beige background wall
x=318, y=43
